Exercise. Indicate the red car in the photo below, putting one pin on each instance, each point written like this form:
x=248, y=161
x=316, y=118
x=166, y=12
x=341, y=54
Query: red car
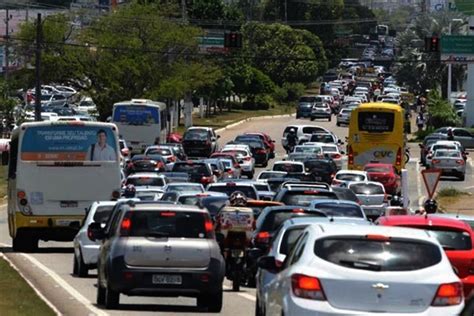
x=455, y=236
x=386, y=174
x=269, y=143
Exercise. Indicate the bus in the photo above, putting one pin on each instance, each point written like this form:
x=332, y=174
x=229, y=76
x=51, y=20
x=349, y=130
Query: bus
x=56, y=170
x=141, y=123
x=376, y=135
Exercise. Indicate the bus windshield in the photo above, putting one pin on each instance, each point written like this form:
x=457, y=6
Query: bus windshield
x=376, y=122
x=136, y=114
x=66, y=142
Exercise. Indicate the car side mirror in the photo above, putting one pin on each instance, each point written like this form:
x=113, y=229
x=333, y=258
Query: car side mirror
x=95, y=232
x=267, y=263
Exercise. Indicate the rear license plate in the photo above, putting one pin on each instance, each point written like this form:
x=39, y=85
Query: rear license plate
x=167, y=279
x=67, y=222
x=68, y=204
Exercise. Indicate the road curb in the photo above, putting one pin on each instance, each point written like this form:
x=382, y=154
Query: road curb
x=253, y=118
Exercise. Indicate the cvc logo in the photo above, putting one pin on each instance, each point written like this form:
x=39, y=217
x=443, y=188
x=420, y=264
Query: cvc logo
x=383, y=154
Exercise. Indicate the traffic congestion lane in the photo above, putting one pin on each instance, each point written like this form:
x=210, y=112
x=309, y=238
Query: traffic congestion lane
x=50, y=270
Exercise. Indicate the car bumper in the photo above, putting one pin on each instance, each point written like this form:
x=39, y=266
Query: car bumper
x=320, y=115
x=303, y=114
x=247, y=167
x=451, y=169
x=90, y=253
x=303, y=307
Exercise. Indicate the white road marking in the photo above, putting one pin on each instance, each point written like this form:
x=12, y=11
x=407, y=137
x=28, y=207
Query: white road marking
x=72, y=291
x=41, y=296
x=418, y=185
x=247, y=296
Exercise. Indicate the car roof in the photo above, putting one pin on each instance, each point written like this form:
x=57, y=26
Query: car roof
x=166, y=207
x=427, y=220
x=230, y=183
x=334, y=201
x=288, y=162
x=184, y=184
x=146, y=174
x=365, y=182
x=359, y=172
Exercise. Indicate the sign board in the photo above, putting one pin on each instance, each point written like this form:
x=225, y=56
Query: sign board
x=212, y=43
x=457, y=48
x=431, y=178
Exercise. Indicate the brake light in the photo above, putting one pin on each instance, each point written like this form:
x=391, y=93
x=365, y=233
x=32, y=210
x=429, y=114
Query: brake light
x=307, y=287
x=377, y=237
x=247, y=158
x=206, y=180
x=385, y=198
x=263, y=238
x=336, y=156
x=435, y=161
x=172, y=159
x=230, y=184
x=448, y=294
x=297, y=210
x=460, y=162
x=398, y=160
x=168, y=214
x=261, y=151
x=126, y=226
x=350, y=156
x=310, y=192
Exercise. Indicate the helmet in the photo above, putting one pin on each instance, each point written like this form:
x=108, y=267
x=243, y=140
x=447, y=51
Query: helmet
x=238, y=198
x=396, y=201
x=292, y=130
x=129, y=191
x=431, y=206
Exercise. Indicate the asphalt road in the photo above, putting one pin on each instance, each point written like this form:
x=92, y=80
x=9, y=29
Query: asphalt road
x=49, y=270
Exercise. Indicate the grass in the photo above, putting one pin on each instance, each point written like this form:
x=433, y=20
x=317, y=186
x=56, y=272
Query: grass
x=452, y=200
x=3, y=181
x=17, y=297
x=224, y=118
x=451, y=192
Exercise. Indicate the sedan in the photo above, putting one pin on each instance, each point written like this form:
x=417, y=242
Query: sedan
x=364, y=270
x=450, y=162
x=385, y=174
x=343, y=117
x=372, y=197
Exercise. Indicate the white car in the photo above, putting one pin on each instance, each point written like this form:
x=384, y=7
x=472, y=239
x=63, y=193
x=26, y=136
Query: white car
x=289, y=166
x=372, y=196
x=332, y=151
x=344, y=177
x=365, y=270
x=303, y=132
x=148, y=194
x=148, y=180
x=441, y=144
x=244, y=157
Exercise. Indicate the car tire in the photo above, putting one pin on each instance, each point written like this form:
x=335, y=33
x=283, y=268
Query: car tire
x=24, y=243
x=112, y=298
x=82, y=270
x=265, y=164
x=258, y=309
x=212, y=301
x=100, y=294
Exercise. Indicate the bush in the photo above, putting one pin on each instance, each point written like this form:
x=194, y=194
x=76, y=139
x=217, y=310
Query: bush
x=261, y=102
x=294, y=90
x=450, y=192
x=441, y=113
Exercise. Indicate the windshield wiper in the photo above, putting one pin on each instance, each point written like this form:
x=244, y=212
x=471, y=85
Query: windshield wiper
x=364, y=265
x=157, y=234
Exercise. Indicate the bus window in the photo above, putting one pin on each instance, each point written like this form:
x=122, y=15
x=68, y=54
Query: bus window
x=13, y=157
x=376, y=122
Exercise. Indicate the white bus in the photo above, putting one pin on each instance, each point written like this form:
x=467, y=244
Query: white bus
x=141, y=123
x=56, y=170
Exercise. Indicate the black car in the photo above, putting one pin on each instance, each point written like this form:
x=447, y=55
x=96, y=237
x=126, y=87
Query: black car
x=145, y=163
x=303, y=196
x=199, y=142
x=321, y=169
x=199, y=172
x=257, y=148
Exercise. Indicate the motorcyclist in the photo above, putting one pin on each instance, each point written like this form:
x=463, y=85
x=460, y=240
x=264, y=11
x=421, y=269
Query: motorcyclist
x=129, y=191
x=291, y=139
x=431, y=206
x=396, y=201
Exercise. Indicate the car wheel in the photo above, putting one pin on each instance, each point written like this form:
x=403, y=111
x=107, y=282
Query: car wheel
x=74, y=266
x=82, y=270
x=100, y=294
x=258, y=309
x=265, y=164
x=112, y=298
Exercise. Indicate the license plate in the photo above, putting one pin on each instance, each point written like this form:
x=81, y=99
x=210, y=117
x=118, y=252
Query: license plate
x=167, y=279
x=66, y=222
x=68, y=204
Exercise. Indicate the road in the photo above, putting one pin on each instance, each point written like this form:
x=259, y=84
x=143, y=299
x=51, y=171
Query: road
x=49, y=270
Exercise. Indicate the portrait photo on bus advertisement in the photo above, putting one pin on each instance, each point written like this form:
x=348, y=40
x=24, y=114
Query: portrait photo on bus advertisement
x=69, y=143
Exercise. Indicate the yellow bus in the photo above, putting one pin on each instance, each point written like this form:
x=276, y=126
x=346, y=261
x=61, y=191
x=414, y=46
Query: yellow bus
x=376, y=135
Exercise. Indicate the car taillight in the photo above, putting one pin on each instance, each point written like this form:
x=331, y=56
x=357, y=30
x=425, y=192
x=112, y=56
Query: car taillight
x=263, y=238
x=448, y=294
x=261, y=152
x=307, y=287
x=398, y=161
x=126, y=226
x=435, y=161
x=350, y=156
x=209, y=227
x=385, y=198
x=247, y=158
x=172, y=159
x=206, y=180
x=460, y=162
x=336, y=156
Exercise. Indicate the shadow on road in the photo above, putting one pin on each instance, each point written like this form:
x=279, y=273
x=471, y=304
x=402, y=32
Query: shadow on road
x=40, y=250
x=161, y=308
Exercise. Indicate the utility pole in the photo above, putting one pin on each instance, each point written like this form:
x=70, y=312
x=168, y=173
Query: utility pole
x=39, y=39
x=6, y=46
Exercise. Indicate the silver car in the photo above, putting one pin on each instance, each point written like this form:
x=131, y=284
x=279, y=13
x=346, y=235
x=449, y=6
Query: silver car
x=450, y=162
x=150, y=249
x=372, y=196
x=343, y=117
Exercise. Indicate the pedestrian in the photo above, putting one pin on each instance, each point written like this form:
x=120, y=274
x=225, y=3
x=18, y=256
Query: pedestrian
x=420, y=121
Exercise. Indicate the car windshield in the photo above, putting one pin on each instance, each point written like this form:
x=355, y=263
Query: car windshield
x=167, y=224
x=180, y=187
x=377, y=169
x=195, y=135
x=377, y=255
x=304, y=198
x=248, y=191
x=307, y=149
x=367, y=188
x=447, y=154
x=288, y=167
x=340, y=210
x=289, y=239
x=350, y=177
x=144, y=181
x=102, y=213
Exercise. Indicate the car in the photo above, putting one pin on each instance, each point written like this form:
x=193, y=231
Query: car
x=322, y=169
x=145, y=163
x=200, y=141
x=343, y=117
x=164, y=151
x=385, y=174
x=468, y=219
x=321, y=110
x=263, y=176
x=346, y=194
x=183, y=187
x=303, y=133
x=199, y=172
x=443, y=144
x=281, y=247
x=244, y=158
x=455, y=236
x=303, y=152
x=289, y=166
x=217, y=166
x=176, y=176
x=332, y=152
x=339, y=208
x=344, y=177
x=263, y=189
x=257, y=148
x=303, y=196
x=193, y=198
x=182, y=255
x=230, y=170
x=372, y=196
x=364, y=270
x=147, y=180
x=424, y=147
x=462, y=135
x=230, y=187
x=86, y=250
x=308, y=185
x=450, y=162
x=148, y=194
x=268, y=141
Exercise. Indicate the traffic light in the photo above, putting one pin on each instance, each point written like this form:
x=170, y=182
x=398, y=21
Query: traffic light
x=233, y=40
x=432, y=44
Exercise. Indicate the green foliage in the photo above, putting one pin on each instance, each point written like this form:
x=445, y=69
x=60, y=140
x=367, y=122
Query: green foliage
x=248, y=81
x=440, y=111
x=450, y=192
x=207, y=9
x=294, y=90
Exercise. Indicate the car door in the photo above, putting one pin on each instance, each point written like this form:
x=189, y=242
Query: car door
x=464, y=137
x=111, y=234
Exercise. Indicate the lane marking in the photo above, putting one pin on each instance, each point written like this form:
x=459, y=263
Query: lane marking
x=418, y=185
x=35, y=289
x=61, y=282
x=247, y=296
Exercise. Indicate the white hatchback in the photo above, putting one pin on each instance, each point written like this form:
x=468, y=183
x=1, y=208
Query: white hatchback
x=244, y=157
x=365, y=270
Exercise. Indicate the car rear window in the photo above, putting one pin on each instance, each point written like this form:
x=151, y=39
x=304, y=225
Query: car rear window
x=229, y=189
x=304, y=198
x=452, y=239
x=338, y=210
x=167, y=224
x=188, y=200
x=447, y=154
x=330, y=149
x=289, y=239
x=274, y=219
x=316, y=164
x=377, y=255
x=322, y=138
x=350, y=177
x=308, y=149
x=192, y=168
x=102, y=213
x=377, y=169
x=262, y=187
x=288, y=167
x=367, y=188
x=311, y=130
x=196, y=135
x=179, y=187
x=159, y=151
x=269, y=175
x=144, y=181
